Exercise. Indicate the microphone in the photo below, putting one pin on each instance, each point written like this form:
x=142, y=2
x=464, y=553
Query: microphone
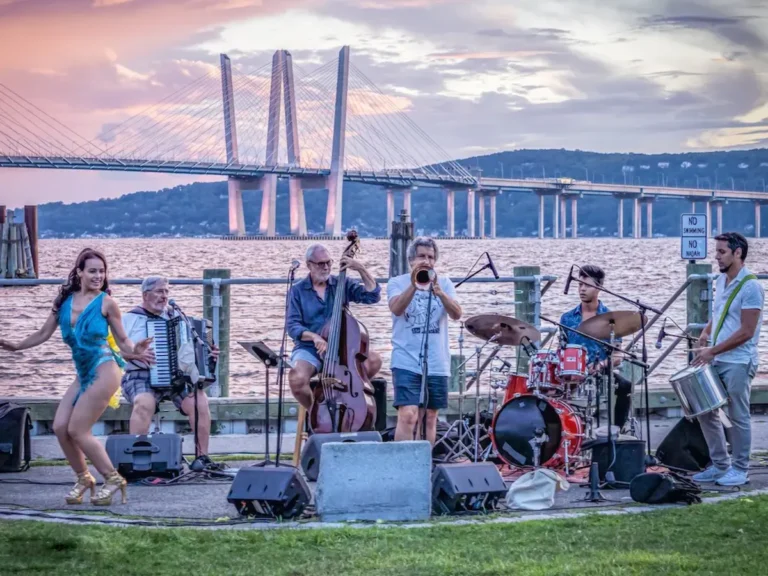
x=662, y=334
x=568, y=282
x=491, y=266
x=295, y=264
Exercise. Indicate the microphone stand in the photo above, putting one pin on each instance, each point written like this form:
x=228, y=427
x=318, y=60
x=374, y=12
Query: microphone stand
x=196, y=337
x=423, y=397
x=281, y=367
x=473, y=274
x=643, y=309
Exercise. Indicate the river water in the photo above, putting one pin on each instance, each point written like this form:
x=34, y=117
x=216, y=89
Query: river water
x=647, y=269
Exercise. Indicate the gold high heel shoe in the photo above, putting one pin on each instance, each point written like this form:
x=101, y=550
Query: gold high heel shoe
x=112, y=484
x=84, y=482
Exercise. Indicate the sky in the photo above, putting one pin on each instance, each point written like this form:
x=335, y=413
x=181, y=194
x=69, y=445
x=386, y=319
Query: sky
x=477, y=77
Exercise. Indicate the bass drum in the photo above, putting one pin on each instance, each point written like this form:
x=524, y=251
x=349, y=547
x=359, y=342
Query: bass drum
x=514, y=429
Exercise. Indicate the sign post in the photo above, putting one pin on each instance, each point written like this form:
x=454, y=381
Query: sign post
x=693, y=237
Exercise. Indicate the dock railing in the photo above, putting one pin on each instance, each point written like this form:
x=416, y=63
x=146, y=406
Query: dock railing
x=528, y=291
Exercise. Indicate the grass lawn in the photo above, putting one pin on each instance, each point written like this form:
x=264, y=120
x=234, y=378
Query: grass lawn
x=725, y=538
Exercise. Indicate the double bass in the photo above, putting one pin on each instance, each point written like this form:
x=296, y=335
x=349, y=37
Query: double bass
x=343, y=400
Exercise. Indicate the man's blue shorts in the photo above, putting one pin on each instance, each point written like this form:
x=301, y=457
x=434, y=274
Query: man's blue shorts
x=407, y=387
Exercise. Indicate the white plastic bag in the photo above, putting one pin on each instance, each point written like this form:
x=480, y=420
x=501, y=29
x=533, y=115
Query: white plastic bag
x=535, y=490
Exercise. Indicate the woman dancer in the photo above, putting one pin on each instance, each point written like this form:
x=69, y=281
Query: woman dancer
x=85, y=312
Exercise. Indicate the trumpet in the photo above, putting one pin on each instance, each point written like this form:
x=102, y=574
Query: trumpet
x=424, y=275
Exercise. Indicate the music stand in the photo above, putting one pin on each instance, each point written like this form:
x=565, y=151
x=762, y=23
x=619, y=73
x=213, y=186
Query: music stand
x=270, y=359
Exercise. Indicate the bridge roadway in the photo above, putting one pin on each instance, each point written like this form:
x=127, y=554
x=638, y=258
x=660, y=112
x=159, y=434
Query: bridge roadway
x=561, y=189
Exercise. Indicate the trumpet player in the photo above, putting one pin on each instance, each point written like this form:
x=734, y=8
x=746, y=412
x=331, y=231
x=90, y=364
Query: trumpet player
x=412, y=298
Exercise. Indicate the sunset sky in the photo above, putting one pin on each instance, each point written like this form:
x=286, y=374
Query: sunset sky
x=478, y=76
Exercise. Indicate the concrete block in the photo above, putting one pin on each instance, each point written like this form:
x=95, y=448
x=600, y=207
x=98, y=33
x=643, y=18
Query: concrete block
x=374, y=481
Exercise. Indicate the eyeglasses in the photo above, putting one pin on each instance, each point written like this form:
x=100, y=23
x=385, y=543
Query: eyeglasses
x=322, y=264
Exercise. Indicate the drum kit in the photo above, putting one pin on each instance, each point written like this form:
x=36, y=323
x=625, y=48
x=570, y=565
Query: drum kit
x=548, y=411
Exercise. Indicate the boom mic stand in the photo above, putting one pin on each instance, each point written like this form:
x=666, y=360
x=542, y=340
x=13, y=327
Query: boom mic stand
x=475, y=273
x=196, y=466
x=643, y=308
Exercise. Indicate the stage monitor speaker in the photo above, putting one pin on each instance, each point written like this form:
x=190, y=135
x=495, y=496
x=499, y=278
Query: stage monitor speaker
x=684, y=447
x=629, y=459
x=464, y=487
x=15, y=446
x=143, y=455
x=269, y=492
x=310, y=456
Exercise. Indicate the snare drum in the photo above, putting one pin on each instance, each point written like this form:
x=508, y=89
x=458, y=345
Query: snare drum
x=543, y=372
x=572, y=364
x=699, y=389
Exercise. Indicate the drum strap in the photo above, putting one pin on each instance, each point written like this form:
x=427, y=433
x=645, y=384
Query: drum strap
x=728, y=304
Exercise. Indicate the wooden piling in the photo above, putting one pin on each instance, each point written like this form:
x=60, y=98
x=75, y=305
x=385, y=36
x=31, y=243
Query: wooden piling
x=525, y=307
x=12, y=251
x=224, y=316
x=5, y=229
x=2, y=214
x=30, y=220
x=402, y=235
x=698, y=296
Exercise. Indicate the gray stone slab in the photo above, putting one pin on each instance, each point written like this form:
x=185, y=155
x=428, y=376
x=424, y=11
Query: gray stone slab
x=374, y=481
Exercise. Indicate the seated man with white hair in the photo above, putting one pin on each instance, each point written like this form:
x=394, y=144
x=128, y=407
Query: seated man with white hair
x=155, y=292
x=310, y=306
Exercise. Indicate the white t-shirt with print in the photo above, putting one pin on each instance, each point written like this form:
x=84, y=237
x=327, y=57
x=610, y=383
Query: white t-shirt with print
x=407, y=330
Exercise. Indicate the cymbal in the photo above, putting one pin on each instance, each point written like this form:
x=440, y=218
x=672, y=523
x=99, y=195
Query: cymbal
x=508, y=331
x=625, y=322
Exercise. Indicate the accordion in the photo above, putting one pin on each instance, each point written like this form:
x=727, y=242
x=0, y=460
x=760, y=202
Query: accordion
x=168, y=338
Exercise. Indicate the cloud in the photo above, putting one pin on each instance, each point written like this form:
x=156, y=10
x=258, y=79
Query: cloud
x=734, y=29
x=637, y=75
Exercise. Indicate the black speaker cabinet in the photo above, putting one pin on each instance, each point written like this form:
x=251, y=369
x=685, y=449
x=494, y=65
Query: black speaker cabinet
x=629, y=461
x=684, y=447
x=15, y=445
x=142, y=455
x=466, y=486
x=310, y=456
x=380, y=397
x=269, y=492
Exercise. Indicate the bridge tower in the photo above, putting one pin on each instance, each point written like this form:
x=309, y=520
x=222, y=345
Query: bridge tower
x=335, y=180
x=295, y=192
x=234, y=186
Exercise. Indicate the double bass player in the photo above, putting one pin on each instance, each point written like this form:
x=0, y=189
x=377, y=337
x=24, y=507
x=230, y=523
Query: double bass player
x=310, y=307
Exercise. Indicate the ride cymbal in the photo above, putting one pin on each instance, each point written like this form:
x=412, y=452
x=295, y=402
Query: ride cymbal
x=625, y=322
x=508, y=331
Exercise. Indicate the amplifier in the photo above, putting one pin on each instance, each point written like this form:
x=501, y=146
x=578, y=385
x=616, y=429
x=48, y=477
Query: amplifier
x=15, y=447
x=137, y=456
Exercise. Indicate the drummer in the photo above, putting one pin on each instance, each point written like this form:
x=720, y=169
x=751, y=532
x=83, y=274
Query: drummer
x=592, y=278
x=730, y=345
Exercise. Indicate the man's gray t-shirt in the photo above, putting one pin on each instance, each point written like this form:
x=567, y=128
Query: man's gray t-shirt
x=407, y=329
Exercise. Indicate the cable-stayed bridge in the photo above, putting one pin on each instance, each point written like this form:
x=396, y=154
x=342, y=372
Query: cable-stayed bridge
x=314, y=128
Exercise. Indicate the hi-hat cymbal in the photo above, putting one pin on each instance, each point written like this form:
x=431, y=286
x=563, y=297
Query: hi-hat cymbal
x=508, y=331
x=625, y=322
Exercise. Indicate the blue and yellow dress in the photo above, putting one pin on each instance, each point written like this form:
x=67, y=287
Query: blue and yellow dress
x=88, y=339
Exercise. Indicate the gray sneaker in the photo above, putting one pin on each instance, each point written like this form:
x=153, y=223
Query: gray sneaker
x=709, y=475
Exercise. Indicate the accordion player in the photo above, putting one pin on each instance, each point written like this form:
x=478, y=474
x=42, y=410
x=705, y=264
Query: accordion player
x=174, y=343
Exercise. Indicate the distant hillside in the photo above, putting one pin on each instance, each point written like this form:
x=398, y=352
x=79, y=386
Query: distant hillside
x=200, y=209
